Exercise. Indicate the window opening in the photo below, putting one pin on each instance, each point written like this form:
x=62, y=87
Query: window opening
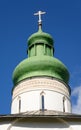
x=64, y=104
x=19, y=104
x=42, y=101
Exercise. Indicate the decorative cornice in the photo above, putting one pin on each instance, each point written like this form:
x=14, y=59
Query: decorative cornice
x=35, y=84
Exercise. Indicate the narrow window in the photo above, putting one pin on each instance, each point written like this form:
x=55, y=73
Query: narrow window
x=42, y=101
x=64, y=104
x=19, y=104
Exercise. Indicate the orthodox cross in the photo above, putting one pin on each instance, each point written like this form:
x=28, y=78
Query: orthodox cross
x=39, y=13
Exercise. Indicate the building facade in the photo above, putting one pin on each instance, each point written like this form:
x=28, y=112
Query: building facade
x=41, y=92
x=41, y=80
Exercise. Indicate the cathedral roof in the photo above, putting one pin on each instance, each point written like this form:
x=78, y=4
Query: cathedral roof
x=40, y=37
x=40, y=61
x=40, y=66
x=39, y=114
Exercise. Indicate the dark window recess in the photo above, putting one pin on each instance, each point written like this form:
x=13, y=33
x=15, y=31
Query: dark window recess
x=63, y=104
x=42, y=102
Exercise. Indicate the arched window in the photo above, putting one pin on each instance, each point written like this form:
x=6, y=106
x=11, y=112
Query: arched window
x=42, y=101
x=19, y=104
x=64, y=98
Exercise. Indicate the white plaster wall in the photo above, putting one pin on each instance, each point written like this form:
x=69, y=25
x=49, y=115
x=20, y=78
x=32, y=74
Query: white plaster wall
x=41, y=126
x=68, y=105
x=31, y=101
x=29, y=93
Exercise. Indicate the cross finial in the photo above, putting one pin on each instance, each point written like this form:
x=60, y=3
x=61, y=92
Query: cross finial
x=39, y=13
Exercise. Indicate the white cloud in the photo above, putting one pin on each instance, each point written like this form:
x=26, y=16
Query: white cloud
x=77, y=107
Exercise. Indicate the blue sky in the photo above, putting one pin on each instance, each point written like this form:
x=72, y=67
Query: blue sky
x=17, y=22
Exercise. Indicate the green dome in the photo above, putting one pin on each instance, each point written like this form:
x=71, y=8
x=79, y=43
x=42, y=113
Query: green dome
x=40, y=66
x=40, y=61
x=40, y=37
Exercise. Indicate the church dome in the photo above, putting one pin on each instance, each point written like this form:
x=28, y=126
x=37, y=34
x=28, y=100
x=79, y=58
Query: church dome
x=40, y=66
x=40, y=61
x=40, y=76
x=40, y=37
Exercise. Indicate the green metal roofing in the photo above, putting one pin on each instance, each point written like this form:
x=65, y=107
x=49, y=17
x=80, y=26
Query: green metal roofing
x=41, y=37
x=40, y=66
x=40, y=61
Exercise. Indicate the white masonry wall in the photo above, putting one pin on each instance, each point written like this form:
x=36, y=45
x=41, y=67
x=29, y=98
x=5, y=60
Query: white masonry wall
x=27, y=96
x=62, y=125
